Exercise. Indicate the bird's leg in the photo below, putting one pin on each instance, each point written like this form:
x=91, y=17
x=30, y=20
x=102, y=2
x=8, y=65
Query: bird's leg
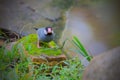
x=38, y=44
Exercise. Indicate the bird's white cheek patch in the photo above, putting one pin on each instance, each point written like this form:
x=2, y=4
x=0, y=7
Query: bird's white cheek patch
x=45, y=32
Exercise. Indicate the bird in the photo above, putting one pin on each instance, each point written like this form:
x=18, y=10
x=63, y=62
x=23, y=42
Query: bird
x=45, y=34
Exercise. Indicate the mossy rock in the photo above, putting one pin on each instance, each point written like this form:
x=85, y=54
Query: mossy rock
x=30, y=45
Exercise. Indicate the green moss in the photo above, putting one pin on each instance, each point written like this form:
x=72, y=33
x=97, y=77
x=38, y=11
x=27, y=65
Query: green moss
x=30, y=44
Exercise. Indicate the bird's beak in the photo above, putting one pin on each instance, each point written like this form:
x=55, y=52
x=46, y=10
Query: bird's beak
x=49, y=30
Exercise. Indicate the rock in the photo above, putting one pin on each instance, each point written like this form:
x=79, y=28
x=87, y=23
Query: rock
x=27, y=14
x=38, y=59
x=55, y=58
x=105, y=66
x=49, y=56
x=49, y=60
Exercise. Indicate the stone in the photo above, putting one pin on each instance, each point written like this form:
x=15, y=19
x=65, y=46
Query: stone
x=38, y=59
x=55, y=58
x=105, y=66
x=49, y=60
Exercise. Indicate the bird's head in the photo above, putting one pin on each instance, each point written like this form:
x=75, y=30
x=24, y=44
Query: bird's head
x=48, y=31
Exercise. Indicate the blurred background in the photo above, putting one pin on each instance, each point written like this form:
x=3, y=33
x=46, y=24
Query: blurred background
x=95, y=22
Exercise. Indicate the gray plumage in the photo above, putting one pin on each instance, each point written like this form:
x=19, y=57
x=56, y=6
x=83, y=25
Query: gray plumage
x=43, y=37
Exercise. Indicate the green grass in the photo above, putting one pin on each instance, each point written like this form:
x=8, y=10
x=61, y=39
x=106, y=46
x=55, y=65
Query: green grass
x=30, y=44
x=73, y=71
x=80, y=48
x=15, y=66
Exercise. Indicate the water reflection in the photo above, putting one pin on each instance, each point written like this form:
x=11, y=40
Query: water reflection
x=97, y=34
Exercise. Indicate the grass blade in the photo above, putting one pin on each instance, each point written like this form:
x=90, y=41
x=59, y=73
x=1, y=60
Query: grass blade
x=81, y=48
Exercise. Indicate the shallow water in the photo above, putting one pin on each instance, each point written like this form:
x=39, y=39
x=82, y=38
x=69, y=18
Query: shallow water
x=97, y=27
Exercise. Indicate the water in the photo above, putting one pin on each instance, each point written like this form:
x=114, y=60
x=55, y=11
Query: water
x=96, y=27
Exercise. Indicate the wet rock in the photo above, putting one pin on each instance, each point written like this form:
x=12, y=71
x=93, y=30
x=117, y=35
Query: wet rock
x=105, y=66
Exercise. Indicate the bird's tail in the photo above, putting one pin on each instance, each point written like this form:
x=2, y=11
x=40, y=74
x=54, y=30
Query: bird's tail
x=35, y=28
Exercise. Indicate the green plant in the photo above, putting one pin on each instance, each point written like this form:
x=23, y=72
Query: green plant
x=8, y=60
x=80, y=48
x=73, y=71
x=29, y=43
x=15, y=65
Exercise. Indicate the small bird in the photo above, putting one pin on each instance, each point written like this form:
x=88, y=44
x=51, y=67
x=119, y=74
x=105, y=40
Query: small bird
x=44, y=35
